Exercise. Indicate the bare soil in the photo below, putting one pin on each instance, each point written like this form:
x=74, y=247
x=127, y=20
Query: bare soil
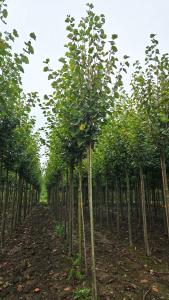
x=35, y=266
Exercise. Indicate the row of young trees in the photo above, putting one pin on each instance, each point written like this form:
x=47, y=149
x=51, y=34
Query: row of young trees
x=133, y=146
x=89, y=109
x=19, y=151
x=108, y=150
x=76, y=111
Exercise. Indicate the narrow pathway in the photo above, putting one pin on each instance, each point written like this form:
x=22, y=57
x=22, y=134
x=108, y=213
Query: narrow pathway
x=34, y=265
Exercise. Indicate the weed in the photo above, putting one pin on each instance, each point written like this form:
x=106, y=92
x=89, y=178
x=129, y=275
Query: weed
x=75, y=273
x=82, y=293
x=59, y=230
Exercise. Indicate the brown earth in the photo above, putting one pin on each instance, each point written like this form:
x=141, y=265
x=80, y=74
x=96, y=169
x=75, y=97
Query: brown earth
x=35, y=266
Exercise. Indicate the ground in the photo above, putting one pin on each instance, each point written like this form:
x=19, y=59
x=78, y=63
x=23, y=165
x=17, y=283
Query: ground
x=35, y=266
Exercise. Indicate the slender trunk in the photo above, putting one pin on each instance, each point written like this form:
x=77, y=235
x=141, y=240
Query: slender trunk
x=14, y=203
x=1, y=188
x=5, y=202
x=81, y=227
x=29, y=199
x=117, y=195
x=94, y=285
x=80, y=210
x=143, y=202
x=25, y=200
x=70, y=236
x=107, y=205
x=129, y=208
x=67, y=206
x=19, y=216
x=100, y=198
x=84, y=236
x=165, y=190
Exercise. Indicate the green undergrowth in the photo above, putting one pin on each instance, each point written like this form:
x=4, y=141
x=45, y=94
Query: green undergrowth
x=59, y=230
x=75, y=274
x=82, y=293
x=76, y=277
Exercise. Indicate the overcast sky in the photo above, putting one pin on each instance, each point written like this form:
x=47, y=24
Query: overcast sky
x=132, y=20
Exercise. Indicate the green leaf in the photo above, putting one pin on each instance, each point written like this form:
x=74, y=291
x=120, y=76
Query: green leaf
x=5, y=13
x=152, y=35
x=114, y=36
x=116, y=94
x=91, y=50
x=103, y=35
x=30, y=49
x=114, y=48
x=46, y=69
x=20, y=68
x=97, y=18
x=46, y=61
x=15, y=33
x=126, y=56
x=62, y=60
x=33, y=36
x=50, y=77
x=90, y=5
x=25, y=59
x=67, y=19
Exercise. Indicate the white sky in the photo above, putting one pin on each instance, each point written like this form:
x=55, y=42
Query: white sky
x=132, y=20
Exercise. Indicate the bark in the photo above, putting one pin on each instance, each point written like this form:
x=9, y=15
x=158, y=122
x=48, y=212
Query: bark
x=93, y=267
x=165, y=190
x=84, y=237
x=129, y=208
x=20, y=198
x=25, y=201
x=143, y=203
x=80, y=211
x=14, y=204
x=70, y=235
x=107, y=205
x=5, y=203
x=117, y=195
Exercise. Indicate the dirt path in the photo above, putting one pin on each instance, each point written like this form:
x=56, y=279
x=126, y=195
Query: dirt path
x=35, y=267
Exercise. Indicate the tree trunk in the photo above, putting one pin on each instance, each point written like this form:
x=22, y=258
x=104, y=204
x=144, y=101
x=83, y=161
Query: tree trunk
x=25, y=201
x=14, y=203
x=165, y=189
x=20, y=200
x=80, y=211
x=94, y=285
x=107, y=204
x=129, y=209
x=117, y=196
x=70, y=236
x=81, y=225
x=5, y=202
x=142, y=186
x=84, y=238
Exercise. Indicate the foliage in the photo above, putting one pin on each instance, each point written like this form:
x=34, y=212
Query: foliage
x=19, y=146
x=82, y=88
x=82, y=293
x=59, y=230
x=75, y=273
